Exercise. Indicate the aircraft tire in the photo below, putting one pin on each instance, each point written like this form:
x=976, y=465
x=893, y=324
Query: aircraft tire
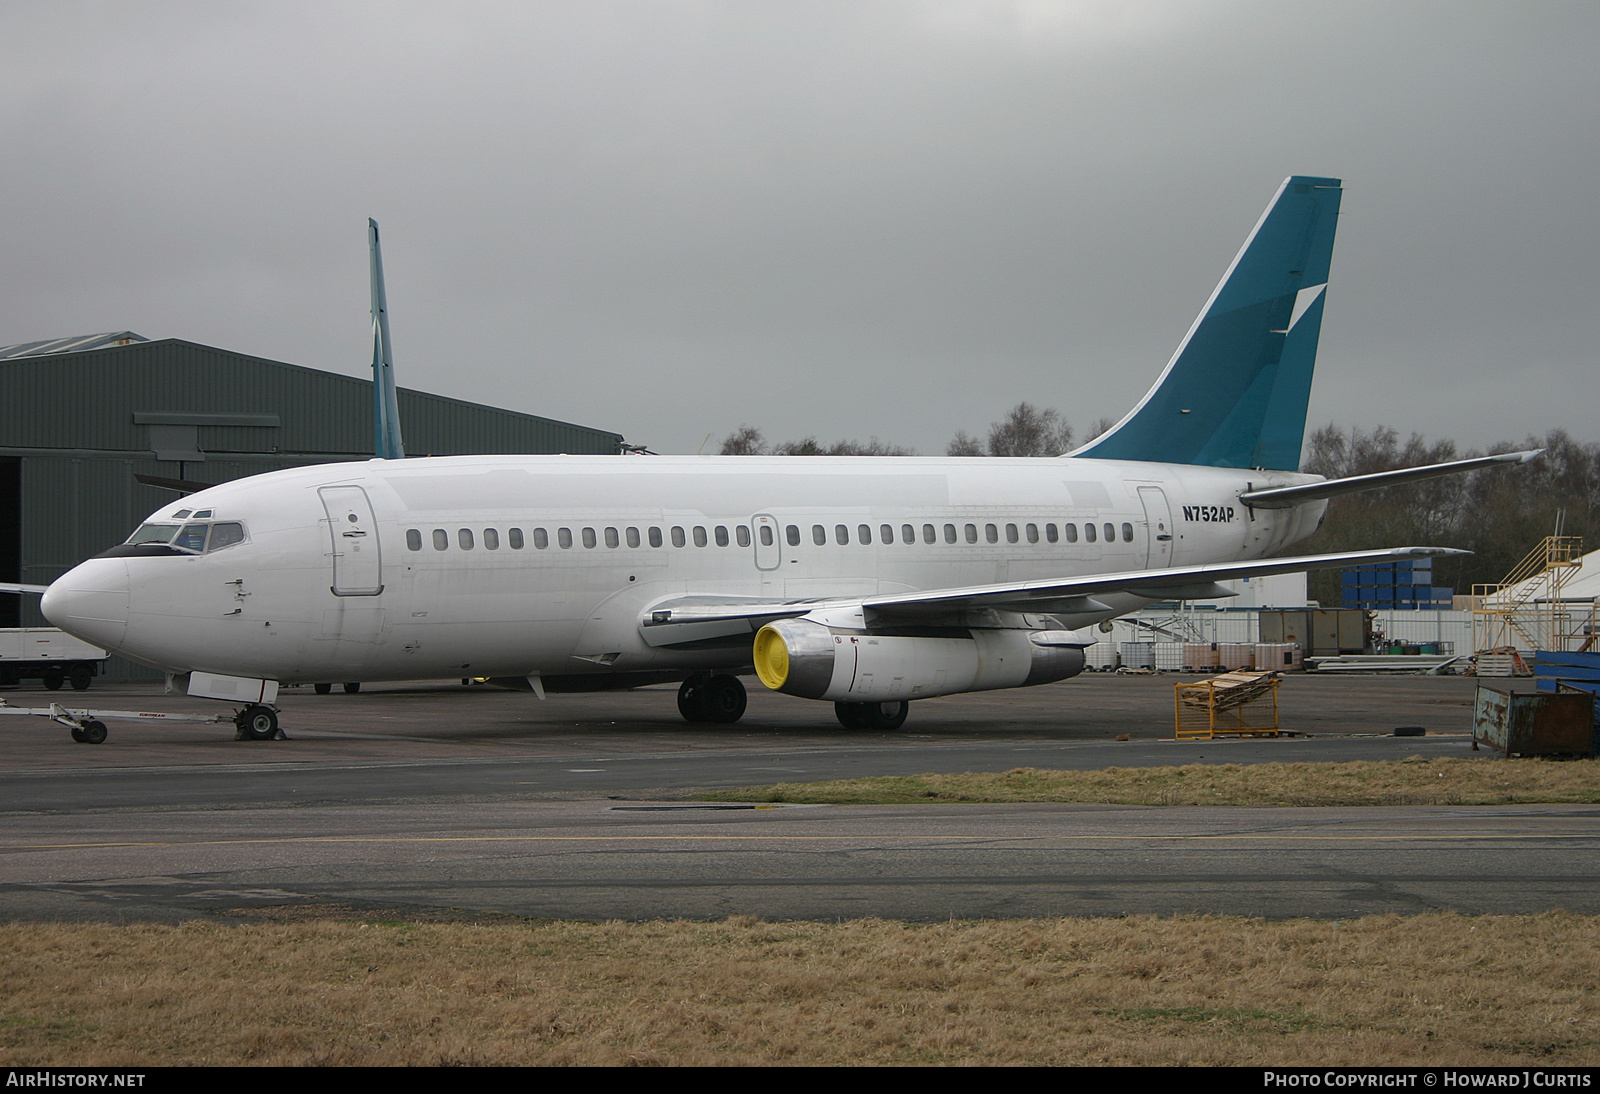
x=322, y=689
x=693, y=701
x=77, y=735
x=851, y=715
x=94, y=732
x=351, y=689
x=80, y=677
x=887, y=715
x=258, y=723
x=54, y=678
x=724, y=699
x=883, y=716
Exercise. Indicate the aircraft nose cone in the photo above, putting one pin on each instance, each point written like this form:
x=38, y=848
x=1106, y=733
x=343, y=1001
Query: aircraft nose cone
x=91, y=602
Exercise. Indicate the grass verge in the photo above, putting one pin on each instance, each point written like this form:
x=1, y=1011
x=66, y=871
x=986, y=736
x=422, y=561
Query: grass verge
x=1414, y=781
x=1418, y=990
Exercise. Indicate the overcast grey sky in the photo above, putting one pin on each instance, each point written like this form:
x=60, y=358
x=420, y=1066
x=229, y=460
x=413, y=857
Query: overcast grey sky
x=841, y=219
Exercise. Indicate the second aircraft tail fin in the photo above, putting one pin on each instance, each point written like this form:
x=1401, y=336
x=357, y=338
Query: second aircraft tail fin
x=1235, y=393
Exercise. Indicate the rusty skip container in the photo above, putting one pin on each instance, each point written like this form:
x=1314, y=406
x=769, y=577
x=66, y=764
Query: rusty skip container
x=1533, y=724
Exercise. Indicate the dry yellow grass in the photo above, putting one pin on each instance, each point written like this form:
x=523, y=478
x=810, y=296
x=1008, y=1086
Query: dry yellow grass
x=1425, y=990
x=1394, y=782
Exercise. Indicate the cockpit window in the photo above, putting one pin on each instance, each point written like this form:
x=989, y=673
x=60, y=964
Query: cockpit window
x=192, y=538
x=181, y=513
x=154, y=533
x=189, y=538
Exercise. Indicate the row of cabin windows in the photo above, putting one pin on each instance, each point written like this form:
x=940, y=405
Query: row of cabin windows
x=466, y=539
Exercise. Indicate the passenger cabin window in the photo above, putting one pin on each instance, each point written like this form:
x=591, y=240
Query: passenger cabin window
x=972, y=533
x=792, y=534
x=819, y=535
x=1050, y=532
x=1127, y=532
x=564, y=538
x=441, y=540
x=677, y=536
x=612, y=538
x=1111, y=534
x=1033, y=533
x=1070, y=531
x=766, y=536
x=655, y=537
x=721, y=532
x=514, y=537
x=633, y=537
x=1088, y=533
x=991, y=533
x=413, y=539
x=865, y=532
x=541, y=539
x=949, y=533
x=1011, y=533
x=841, y=534
x=742, y=535
x=491, y=539
x=886, y=533
x=589, y=539
x=699, y=536
x=908, y=534
x=464, y=537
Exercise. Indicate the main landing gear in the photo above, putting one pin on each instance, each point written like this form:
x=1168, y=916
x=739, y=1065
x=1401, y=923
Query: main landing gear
x=706, y=698
x=872, y=715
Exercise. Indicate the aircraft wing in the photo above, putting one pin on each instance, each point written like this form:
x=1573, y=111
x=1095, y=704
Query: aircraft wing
x=695, y=619
x=10, y=587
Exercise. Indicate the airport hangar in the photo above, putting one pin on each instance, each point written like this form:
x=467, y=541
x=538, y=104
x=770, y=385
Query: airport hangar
x=84, y=420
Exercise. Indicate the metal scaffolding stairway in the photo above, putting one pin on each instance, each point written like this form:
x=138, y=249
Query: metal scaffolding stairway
x=1525, y=609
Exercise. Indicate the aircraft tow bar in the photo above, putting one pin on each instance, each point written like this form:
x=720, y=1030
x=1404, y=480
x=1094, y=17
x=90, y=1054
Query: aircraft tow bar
x=88, y=727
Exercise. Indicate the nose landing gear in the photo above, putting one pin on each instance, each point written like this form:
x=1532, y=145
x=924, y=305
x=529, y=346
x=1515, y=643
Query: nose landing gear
x=257, y=723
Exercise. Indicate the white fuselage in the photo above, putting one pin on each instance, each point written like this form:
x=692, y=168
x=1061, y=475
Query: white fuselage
x=519, y=565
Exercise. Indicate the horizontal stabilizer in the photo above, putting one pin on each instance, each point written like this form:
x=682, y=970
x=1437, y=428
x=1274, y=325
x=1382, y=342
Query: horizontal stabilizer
x=1287, y=497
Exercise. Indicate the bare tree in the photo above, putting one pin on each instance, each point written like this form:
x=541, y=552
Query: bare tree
x=963, y=444
x=748, y=441
x=744, y=441
x=1029, y=431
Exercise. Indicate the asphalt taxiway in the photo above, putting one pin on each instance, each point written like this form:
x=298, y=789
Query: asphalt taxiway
x=482, y=801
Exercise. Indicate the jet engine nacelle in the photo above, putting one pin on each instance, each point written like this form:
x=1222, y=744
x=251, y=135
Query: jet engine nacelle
x=806, y=658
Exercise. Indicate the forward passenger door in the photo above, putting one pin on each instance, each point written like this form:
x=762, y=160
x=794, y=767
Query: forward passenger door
x=353, y=531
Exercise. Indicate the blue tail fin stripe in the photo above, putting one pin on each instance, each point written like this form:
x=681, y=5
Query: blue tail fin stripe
x=1235, y=393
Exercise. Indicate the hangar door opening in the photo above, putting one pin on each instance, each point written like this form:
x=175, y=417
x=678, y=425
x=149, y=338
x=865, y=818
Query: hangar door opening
x=10, y=538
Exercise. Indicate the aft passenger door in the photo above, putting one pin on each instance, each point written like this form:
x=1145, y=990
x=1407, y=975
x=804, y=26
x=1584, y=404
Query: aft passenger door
x=357, y=567
x=1158, y=525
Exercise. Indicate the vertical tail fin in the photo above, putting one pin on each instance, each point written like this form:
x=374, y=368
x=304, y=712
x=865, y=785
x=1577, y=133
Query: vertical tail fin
x=385, y=407
x=1235, y=393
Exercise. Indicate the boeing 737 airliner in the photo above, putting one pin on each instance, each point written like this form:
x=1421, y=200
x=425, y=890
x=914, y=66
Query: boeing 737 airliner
x=868, y=582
